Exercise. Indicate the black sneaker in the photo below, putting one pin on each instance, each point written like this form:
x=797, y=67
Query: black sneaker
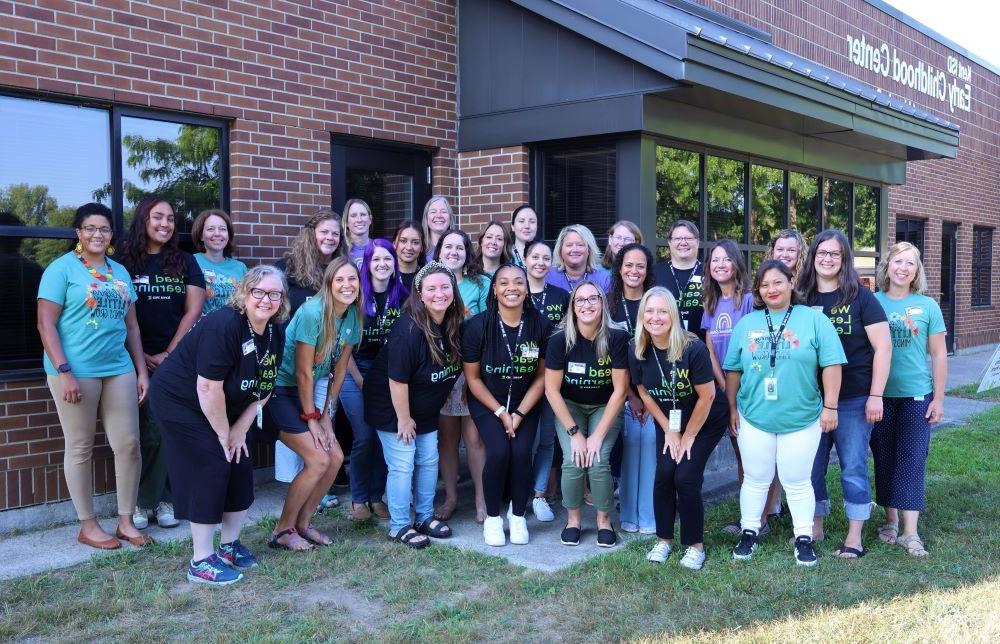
x=804, y=553
x=570, y=536
x=746, y=547
x=606, y=538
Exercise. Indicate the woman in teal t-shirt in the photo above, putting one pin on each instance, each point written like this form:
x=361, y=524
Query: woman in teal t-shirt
x=776, y=408
x=212, y=233
x=93, y=361
x=914, y=394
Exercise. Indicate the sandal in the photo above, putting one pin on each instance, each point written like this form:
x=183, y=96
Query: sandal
x=434, y=528
x=293, y=538
x=315, y=537
x=327, y=502
x=888, y=533
x=913, y=544
x=411, y=539
x=847, y=552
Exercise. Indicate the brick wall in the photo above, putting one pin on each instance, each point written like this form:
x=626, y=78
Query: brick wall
x=491, y=184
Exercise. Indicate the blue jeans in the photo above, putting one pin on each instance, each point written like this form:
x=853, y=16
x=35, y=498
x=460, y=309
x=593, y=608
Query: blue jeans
x=545, y=446
x=413, y=472
x=367, y=463
x=638, y=472
x=851, y=438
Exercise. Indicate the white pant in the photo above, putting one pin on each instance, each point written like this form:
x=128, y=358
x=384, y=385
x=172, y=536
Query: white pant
x=793, y=453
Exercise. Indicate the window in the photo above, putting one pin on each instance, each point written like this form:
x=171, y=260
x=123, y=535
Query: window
x=678, y=187
x=910, y=230
x=580, y=187
x=58, y=156
x=865, y=227
x=837, y=205
x=804, y=204
x=724, y=185
x=982, y=271
x=767, y=211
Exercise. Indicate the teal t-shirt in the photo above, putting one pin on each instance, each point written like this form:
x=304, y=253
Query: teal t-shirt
x=474, y=291
x=221, y=279
x=92, y=323
x=912, y=320
x=807, y=343
x=306, y=326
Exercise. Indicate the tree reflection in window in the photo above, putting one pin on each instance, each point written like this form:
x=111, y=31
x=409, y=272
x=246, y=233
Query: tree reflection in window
x=837, y=204
x=866, y=203
x=768, y=203
x=724, y=184
x=677, y=187
x=802, y=207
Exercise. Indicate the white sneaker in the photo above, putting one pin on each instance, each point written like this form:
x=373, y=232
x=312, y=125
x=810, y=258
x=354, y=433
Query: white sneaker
x=518, y=530
x=660, y=552
x=693, y=558
x=140, y=518
x=629, y=527
x=493, y=533
x=165, y=515
x=543, y=512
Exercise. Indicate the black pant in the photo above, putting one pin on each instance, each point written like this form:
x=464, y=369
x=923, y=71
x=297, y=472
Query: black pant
x=677, y=486
x=507, y=475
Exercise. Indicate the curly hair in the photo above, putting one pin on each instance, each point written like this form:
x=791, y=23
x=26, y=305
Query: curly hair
x=250, y=280
x=133, y=252
x=617, y=291
x=304, y=263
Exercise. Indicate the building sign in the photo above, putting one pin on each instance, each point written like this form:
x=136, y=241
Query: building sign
x=953, y=88
x=991, y=378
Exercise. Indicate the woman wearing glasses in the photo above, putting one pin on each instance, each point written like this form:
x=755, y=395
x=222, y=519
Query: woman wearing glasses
x=621, y=234
x=682, y=275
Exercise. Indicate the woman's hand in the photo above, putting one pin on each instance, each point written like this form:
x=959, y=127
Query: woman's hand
x=828, y=419
x=70, y=388
x=935, y=411
x=406, y=430
x=873, y=409
x=237, y=444
x=734, y=423
x=672, y=445
x=638, y=408
x=594, y=442
x=687, y=442
x=142, y=386
x=578, y=449
x=515, y=422
x=318, y=434
x=508, y=424
x=224, y=442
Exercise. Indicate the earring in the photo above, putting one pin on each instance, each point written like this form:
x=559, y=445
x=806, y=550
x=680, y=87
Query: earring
x=111, y=250
x=79, y=248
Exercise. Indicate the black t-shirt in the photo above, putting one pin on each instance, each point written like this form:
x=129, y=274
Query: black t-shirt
x=551, y=303
x=219, y=347
x=694, y=368
x=495, y=359
x=685, y=284
x=406, y=358
x=586, y=379
x=376, y=329
x=407, y=279
x=626, y=312
x=850, y=321
x=297, y=294
x=161, y=298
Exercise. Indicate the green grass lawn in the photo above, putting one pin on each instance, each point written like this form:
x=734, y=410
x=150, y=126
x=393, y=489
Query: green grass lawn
x=969, y=391
x=366, y=588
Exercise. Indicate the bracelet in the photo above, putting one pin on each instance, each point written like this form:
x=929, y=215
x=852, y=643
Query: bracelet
x=313, y=415
x=517, y=412
x=874, y=396
x=830, y=408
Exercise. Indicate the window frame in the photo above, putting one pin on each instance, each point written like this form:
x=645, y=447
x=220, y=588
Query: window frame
x=982, y=262
x=916, y=223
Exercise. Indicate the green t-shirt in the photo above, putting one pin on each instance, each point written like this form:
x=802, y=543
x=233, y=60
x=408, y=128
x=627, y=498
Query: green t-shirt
x=92, y=323
x=474, y=291
x=912, y=320
x=221, y=279
x=306, y=326
x=809, y=341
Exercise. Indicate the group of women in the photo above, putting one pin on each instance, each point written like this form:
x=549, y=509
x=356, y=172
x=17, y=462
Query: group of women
x=632, y=369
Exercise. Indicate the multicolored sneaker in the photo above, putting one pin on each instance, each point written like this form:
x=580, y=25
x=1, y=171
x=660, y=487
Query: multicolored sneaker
x=212, y=570
x=237, y=555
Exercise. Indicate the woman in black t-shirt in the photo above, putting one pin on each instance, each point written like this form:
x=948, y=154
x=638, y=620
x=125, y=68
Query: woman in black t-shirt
x=170, y=288
x=411, y=250
x=672, y=371
x=404, y=391
x=206, y=396
x=503, y=355
x=586, y=379
x=319, y=241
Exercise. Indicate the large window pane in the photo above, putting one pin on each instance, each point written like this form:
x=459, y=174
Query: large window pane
x=179, y=162
x=725, y=186
x=837, y=203
x=389, y=195
x=866, y=202
x=677, y=187
x=768, y=205
x=580, y=188
x=804, y=204
x=22, y=262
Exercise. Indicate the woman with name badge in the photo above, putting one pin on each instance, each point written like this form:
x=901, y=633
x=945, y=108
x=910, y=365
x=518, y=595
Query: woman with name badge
x=493, y=247
x=914, y=395
x=382, y=297
x=455, y=251
x=577, y=260
x=404, y=391
x=207, y=395
x=437, y=219
x=523, y=231
x=171, y=296
x=309, y=254
x=672, y=371
x=94, y=363
x=408, y=240
x=357, y=228
x=212, y=233
x=586, y=380
x=503, y=352
x=551, y=301
x=319, y=340
x=683, y=273
x=830, y=283
x=776, y=409
x=631, y=277
x=622, y=233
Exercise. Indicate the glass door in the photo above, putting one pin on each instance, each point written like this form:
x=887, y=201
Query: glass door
x=949, y=237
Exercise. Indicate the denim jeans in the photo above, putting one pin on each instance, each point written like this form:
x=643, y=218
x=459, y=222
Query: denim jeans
x=851, y=439
x=587, y=418
x=413, y=472
x=545, y=446
x=638, y=471
x=367, y=469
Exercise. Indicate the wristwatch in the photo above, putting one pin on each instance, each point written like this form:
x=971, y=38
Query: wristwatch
x=64, y=368
x=499, y=410
x=572, y=431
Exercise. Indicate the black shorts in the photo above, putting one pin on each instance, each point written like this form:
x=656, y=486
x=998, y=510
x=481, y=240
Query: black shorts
x=282, y=411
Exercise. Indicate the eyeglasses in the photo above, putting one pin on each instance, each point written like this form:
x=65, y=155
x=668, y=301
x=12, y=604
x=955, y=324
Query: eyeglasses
x=623, y=239
x=580, y=301
x=90, y=230
x=683, y=239
x=832, y=254
x=260, y=294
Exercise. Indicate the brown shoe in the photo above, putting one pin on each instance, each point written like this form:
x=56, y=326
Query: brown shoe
x=139, y=542
x=360, y=512
x=379, y=509
x=108, y=544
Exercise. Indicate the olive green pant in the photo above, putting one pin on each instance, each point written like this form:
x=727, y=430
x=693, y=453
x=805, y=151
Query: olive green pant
x=587, y=417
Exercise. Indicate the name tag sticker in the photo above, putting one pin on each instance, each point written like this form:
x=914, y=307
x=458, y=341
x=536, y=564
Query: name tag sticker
x=576, y=367
x=248, y=347
x=209, y=274
x=817, y=307
x=696, y=279
x=914, y=310
x=755, y=335
x=531, y=353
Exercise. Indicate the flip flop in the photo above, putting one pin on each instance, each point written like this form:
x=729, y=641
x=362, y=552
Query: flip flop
x=411, y=539
x=277, y=545
x=843, y=551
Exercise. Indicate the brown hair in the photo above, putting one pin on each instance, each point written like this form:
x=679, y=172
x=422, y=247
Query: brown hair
x=198, y=229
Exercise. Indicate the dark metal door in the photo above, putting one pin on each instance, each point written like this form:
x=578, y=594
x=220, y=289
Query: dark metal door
x=949, y=248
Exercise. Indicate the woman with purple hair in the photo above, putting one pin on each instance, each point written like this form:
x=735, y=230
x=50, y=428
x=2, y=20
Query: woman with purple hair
x=382, y=297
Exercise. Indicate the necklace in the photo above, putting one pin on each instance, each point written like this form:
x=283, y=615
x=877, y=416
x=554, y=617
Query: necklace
x=93, y=271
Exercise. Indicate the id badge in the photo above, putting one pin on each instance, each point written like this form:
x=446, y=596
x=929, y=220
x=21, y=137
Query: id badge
x=260, y=416
x=576, y=367
x=770, y=388
x=674, y=421
x=531, y=353
x=248, y=347
x=685, y=324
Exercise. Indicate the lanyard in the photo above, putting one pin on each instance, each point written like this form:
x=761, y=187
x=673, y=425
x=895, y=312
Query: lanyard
x=540, y=305
x=570, y=284
x=628, y=318
x=517, y=256
x=663, y=378
x=681, y=292
x=380, y=319
x=258, y=361
x=511, y=352
x=775, y=336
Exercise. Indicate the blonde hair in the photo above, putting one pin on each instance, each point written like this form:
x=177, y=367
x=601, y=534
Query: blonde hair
x=330, y=320
x=603, y=328
x=919, y=283
x=609, y=257
x=423, y=219
x=800, y=241
x=678, y=339
x=588, y=239
x=345, y=230
x=304, y=261
x=249, y=281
